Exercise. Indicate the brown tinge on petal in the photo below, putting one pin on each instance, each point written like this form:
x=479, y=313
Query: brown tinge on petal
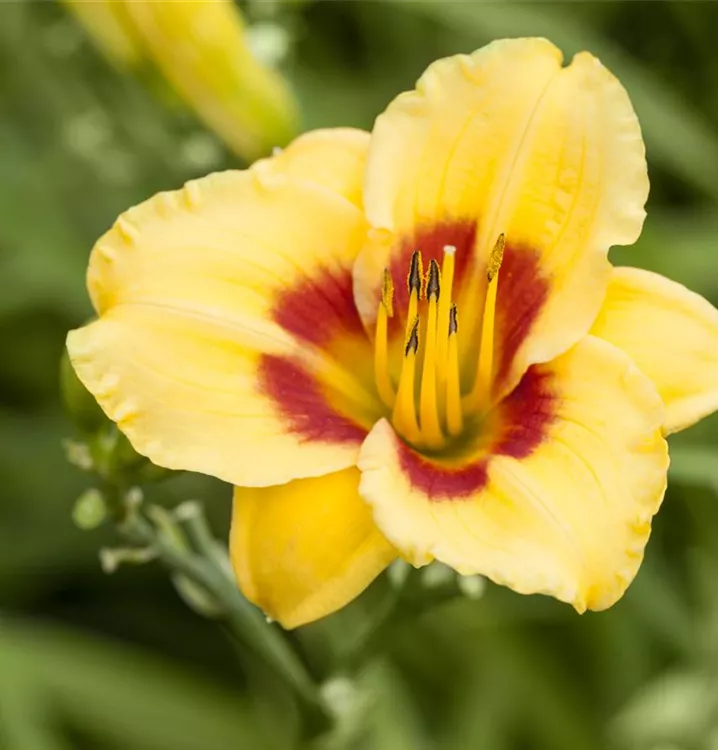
x=520, y=424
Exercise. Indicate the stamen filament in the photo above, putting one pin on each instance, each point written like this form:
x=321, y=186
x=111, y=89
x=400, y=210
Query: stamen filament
x=404, y=415
x=481, y=391
x=454, y=416
x=447, y=282
x=387, y=293
x=428, y=403
x=381, y=358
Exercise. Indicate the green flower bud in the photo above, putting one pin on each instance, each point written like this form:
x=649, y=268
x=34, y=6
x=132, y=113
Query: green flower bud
x=80, y=405
x=113, y=456
x=472, y=586
x=90, y=510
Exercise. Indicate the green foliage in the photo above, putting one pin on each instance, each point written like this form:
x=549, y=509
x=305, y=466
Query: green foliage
x=112, y=695
x=80, y=142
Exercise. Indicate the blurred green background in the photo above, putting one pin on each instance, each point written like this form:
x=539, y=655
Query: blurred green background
x=117, y=662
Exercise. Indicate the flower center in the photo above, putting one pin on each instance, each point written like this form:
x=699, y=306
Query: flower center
x=428, y=407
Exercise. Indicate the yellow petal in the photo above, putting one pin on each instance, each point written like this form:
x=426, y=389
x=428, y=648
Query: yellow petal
x=226, y=310
x=332, y=157
x=559, y=502
x=305, y=549
x=507, y=141
x=201, y=49
x=671, y=333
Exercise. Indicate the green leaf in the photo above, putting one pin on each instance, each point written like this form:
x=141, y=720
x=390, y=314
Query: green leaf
x=679, y=245
x=695, y=465
x=677, y=707
x=122, y=697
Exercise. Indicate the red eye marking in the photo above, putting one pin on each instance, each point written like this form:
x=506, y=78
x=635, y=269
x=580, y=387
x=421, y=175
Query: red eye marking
x=303, y=404
x=523, y=419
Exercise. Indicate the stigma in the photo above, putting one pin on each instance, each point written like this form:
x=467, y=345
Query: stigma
x=426, y=402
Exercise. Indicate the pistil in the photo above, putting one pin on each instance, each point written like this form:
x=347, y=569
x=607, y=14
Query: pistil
x=428, y=404
x=381, y=346
x=454, y=416
x=445, y=303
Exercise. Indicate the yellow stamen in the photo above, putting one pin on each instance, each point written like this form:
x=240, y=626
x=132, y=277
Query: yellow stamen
x=428, y=404
x=481, y=392
x=447, y=283
x=454, y=417
x=404, y=416
x=381, y=354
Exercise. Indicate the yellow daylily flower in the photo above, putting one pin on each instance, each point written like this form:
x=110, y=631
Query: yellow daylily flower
x=201, y=49
x=412, y=343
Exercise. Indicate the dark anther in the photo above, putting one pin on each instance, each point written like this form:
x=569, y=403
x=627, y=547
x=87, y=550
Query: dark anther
x=496, y=258
x=453, y=320
x=412, y=344
x=415, y=273
x=432, y=286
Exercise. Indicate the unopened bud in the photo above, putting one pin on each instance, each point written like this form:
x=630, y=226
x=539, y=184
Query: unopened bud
x=437, y=574
x=472, y=587
x=113, y=454
x=133, y=498
x=79, y=403
x=78, y=454
x=340, y=695
x=398, y=573
x=269, y=43
x=90, y=510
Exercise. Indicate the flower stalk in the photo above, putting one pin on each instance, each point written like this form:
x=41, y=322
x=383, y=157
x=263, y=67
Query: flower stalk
x=182, y=541
x=206, y=568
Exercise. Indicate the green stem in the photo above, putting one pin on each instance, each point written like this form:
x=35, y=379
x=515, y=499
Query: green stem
x=201, y=536
x=248, y=624
x=382, y=620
